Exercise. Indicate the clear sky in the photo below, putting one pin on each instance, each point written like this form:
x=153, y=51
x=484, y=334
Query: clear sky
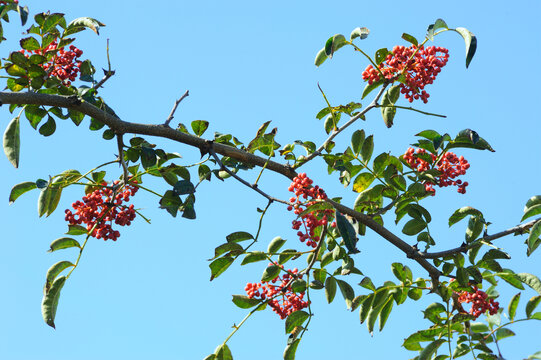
x=244, y=63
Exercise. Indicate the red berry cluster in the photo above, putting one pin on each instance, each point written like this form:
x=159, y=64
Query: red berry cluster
x=450, y=166
x=480, y=302
x=100, y=208
x=420, y=67
x=303, y=190
x=9, y=2
x=64, y=65
x=283, y=301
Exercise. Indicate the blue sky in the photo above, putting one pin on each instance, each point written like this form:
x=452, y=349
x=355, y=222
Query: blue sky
x=244, y=63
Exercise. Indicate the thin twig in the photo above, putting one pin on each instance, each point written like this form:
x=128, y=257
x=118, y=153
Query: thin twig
x=372, y=105
x=412, y=109
x=244, y=182
x=120, y=144
x=465, y=247
x=316, y=251
x=108, y=73
x=172, y=114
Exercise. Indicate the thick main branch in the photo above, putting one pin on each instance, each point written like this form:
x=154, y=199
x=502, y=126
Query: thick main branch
x=123, y=127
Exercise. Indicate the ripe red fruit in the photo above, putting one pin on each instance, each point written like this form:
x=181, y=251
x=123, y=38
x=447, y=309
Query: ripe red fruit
x=419, y=67
x=309, y=222
x=99, y=209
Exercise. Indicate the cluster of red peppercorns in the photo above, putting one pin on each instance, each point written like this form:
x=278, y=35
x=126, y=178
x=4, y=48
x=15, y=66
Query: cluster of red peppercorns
x=480, y=302
x=303, y=190
x=419, y=70
x=64, y=65
x=283, y=301
x=7, y=2
x=450, y=166
x=100, y=208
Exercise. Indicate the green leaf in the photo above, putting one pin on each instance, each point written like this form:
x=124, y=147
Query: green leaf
x=367, y=148
x=49, y=198
x=64, y=243
x=471, y=43
x=223, y=353
x=84, y=22
x=534, y=200
x=430, y=349
x=532, y=211
x=380, y=299
x=29, y=43
x=462, y=277
x=533, y=239
x=532, y=304
x=76, y=230
x=460, y=350
x=239, y=236
x=298, y=286
x=55, y=270
x=362, y=181
x=296, y=318
x=20, y=189
x=347, y=292
x=49, y=303
x=218, y=266
x=347, y=231
x=286, y=255
x=413, y=227
x=369, y=87
x=275, y=245
x=493, y=254
x=360, y=32
x=320, y=57
x=289, y=352
x=385, y=312
x=474, y=229
x=410, y=38
x=270, y=273
x=536, y=316
x=439, y=24
x=330, y=289
x=203, y=172
x=254, y=256
x=429, y=134
x=381, y=54
x=462, y=213
x=229, y=247
x=513, y=304
x=244, y=302
x=530, y=280
x=333, y=44
x=365, y=307
x=183, y=187
x=49, y=127
x=199, y=127
x=12, y=142
x=51, y=21
x=502, y=333
x=357, y=140
x=388, y=111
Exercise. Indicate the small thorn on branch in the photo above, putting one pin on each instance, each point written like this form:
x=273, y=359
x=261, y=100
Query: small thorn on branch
x=172, y=114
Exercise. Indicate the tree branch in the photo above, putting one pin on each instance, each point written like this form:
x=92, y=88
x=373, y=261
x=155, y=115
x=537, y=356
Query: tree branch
x=172, y=114
x=123, y=127
x=372, y=105
x=465, y=247
x=242, y=181
x=382, y=231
